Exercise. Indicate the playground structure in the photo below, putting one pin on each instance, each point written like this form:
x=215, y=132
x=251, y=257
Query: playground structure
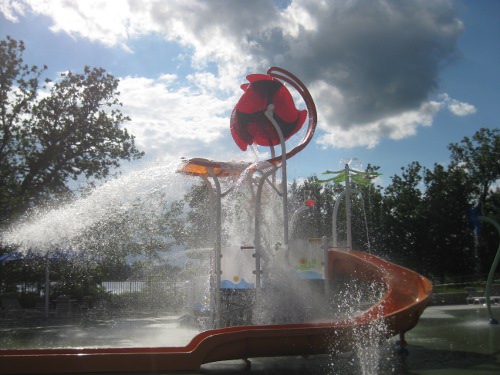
x=265, y=115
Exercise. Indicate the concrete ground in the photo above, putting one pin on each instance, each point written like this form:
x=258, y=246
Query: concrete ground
x=448, y=340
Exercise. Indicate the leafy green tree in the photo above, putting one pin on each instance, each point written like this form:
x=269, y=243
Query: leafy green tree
x=479, y=156
x=488, y=239
x=450, y=241
x=404, y=224
x=48, y=138
x=315, y=221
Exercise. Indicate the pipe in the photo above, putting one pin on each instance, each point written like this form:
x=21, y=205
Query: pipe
x=335, y=214
x=492, y=270
x=217, y=247
x=257, y=244
x=324, y=244
x=284, y=192
x=348, y=208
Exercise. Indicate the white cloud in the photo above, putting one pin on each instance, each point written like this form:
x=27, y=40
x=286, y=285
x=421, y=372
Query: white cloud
x=371, y=65
x=110, y=22
x=12, y=9
x=170, y=117
x=369, y=135
x=456, y=107
x=461, y=109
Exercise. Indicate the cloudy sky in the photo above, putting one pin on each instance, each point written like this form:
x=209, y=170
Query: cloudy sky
x=393, y=81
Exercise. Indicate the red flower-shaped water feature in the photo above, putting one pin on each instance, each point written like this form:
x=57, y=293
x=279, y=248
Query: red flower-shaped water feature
x=249, y=123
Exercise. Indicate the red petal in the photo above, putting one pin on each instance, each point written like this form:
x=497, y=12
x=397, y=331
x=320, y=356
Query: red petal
x=263, y=134
x=240, y=136
x=301, y=118
x=242, y=145
x=284, y=105
x=259, y=77
x=251, y=101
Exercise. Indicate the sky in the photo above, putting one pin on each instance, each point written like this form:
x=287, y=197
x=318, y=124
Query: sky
x=393, y=81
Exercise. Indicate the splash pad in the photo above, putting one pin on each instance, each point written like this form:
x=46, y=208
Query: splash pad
x=265, y=115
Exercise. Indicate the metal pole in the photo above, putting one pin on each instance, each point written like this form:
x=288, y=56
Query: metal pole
x=213, y=199
x=326, y=276
x=217, y=247
x=334, y=219
x=257, y=244
x=348, y=208
x=47, y=287
x=284, y=191
x=335, y=215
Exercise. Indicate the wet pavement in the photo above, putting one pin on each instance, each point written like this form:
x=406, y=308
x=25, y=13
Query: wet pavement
x=447, y=340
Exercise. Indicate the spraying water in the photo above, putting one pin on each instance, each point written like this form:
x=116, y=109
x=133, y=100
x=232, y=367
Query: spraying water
x=60, y=227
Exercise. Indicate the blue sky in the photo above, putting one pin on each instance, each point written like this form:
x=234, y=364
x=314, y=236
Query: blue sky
x=394, y=82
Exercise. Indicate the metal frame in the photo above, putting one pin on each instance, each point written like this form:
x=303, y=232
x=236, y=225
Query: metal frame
x=214, y=169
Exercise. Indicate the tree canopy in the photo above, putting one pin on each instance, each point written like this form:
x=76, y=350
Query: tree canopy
x=422, y=219
x=54, y=132
x=479, y=156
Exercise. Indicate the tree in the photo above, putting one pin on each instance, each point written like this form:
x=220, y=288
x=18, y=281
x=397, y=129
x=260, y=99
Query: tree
x=479, y=157
x=449, y=236
x=405, y=225
x=48, y=138
x=198, y=231
x=316, y=221
x=488, y=239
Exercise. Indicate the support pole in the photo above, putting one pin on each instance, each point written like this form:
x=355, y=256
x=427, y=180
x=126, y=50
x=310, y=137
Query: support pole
x=257, y=244
x=335, y=215
x=324, y=244
x=284, y=190
x=217, y=250
x=46, y=287
x=492, y=270
x=348, y=208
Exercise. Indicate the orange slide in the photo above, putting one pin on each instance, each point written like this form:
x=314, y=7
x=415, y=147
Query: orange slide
x=406, y=297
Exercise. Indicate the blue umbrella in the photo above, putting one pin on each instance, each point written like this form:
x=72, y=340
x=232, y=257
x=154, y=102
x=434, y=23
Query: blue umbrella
x=9, y=257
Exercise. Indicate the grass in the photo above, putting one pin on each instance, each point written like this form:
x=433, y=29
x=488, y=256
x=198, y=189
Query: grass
x=479, y=285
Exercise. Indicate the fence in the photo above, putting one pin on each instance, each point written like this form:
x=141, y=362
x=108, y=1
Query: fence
x=148, y=294
x=121, y=287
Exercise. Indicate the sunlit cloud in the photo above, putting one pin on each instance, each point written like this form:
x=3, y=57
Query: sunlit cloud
x=170, y=117
x=369, y=135
x=456, y=107
x=369, y=79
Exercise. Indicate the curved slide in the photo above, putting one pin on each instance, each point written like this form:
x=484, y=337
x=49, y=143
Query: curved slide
x=406, y=296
